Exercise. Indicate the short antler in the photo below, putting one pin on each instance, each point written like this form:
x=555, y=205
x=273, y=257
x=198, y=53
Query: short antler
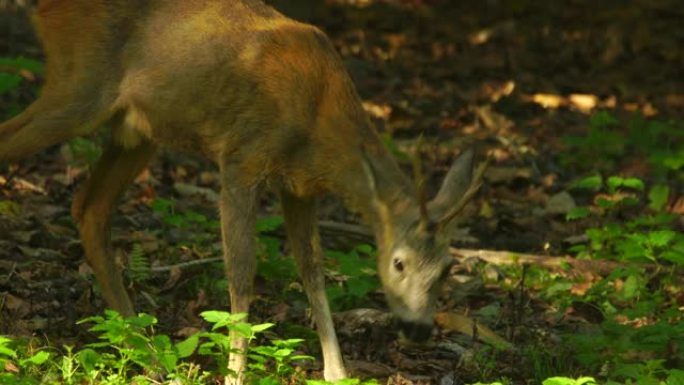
x=419, y=178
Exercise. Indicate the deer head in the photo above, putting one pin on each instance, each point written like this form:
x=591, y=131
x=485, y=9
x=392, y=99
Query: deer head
x=413, y=240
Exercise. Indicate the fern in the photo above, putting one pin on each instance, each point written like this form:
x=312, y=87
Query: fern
x=138, y=264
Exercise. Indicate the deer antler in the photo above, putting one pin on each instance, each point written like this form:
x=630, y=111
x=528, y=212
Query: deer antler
x=419, y=178
x=474, y=186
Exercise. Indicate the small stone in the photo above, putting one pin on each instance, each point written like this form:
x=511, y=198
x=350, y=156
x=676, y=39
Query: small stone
x=560, y=203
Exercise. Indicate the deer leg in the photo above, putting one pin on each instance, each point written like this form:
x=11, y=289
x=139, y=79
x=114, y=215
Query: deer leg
x=92, y=208
x=302, y=233
x=48, y=121
x=238, y=220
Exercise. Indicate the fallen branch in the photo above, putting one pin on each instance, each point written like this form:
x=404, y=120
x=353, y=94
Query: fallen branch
x=196, y=262
x=496, y=257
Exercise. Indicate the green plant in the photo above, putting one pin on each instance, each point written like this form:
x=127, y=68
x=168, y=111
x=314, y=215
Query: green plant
x=196, y=230
x=602, y=138
x=609, y=139
x=129, y=350
x=357, y=277
x=138, y=264
x=13, y=71
x=84, y=151
x=134, y=344
x=569, y=381
x=187, y=219
x=270, y=364
x=273, y=264
x=646, y=238
x=18, y=362
x=276, y=358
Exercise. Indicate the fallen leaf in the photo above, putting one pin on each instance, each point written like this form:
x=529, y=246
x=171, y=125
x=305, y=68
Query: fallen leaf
x=583, y=102
x=548, y=100
x=462, y=324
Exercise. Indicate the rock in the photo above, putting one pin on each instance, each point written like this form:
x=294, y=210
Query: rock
x=560, y=203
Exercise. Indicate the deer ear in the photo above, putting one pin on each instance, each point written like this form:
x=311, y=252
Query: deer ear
x=381, y=209
x=456, y=182
x=371, y=175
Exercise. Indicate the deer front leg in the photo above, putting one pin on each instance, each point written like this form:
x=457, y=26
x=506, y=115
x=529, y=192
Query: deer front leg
x=238, y=220
x=92, y=207
x=302, y=233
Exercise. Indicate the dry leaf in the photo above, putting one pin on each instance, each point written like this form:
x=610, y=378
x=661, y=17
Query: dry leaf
x=462, y=324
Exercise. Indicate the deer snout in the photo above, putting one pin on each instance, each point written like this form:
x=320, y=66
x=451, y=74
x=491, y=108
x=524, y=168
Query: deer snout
x=414, y=316
x=418, y=332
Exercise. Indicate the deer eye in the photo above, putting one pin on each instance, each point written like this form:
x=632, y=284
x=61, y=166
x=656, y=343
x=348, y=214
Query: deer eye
x=398, y=264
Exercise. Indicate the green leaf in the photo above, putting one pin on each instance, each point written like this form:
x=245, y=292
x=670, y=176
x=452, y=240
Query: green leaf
x=675, y=161
x=365, y=249
x=186, y=347
x=559, y=287
x=568, y=381
x=602, y=119
x=675, y=256
x=242, y=328
x=675, y=377
x=89, y=359
x=658, y=197
x=269, y=224
x=261, y=327
x=222, y=318
x=4, y=349
x=661, y=238
x=8, y=82
x=269, y=381
x=36, y=359
x=630, y=288
x=360, y=286
x=577, y=213
x=615, y=182
x=585, y=381
x=168, y=359
x=20, y=63
x=605, y=203
x=593, y=182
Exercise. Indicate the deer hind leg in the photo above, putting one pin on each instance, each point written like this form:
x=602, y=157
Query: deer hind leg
x=238, y=219
x=51, y=119
x=92, y=208
x=302, y=233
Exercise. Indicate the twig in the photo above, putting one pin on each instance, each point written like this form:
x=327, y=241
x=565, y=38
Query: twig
x=163, y=269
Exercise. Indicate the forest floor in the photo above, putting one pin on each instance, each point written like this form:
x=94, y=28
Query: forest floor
x=524, y=81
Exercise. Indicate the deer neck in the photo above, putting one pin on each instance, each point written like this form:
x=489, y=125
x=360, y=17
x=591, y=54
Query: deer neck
x=382, y=199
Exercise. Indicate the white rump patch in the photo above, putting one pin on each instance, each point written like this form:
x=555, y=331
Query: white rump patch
x=134, y=130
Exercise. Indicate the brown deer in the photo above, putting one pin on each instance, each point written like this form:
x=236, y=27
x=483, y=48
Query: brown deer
x=269, y=101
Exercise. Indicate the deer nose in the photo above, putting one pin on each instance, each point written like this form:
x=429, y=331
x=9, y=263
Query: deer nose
x=415, y=331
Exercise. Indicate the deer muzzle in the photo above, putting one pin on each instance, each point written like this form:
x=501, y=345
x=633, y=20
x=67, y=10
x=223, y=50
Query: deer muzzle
x=418, y=332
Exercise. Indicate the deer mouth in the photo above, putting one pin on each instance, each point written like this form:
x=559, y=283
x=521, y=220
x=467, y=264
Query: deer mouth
x=417, y=332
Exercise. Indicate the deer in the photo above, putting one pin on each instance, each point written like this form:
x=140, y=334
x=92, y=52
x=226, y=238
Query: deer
x=265, y=98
